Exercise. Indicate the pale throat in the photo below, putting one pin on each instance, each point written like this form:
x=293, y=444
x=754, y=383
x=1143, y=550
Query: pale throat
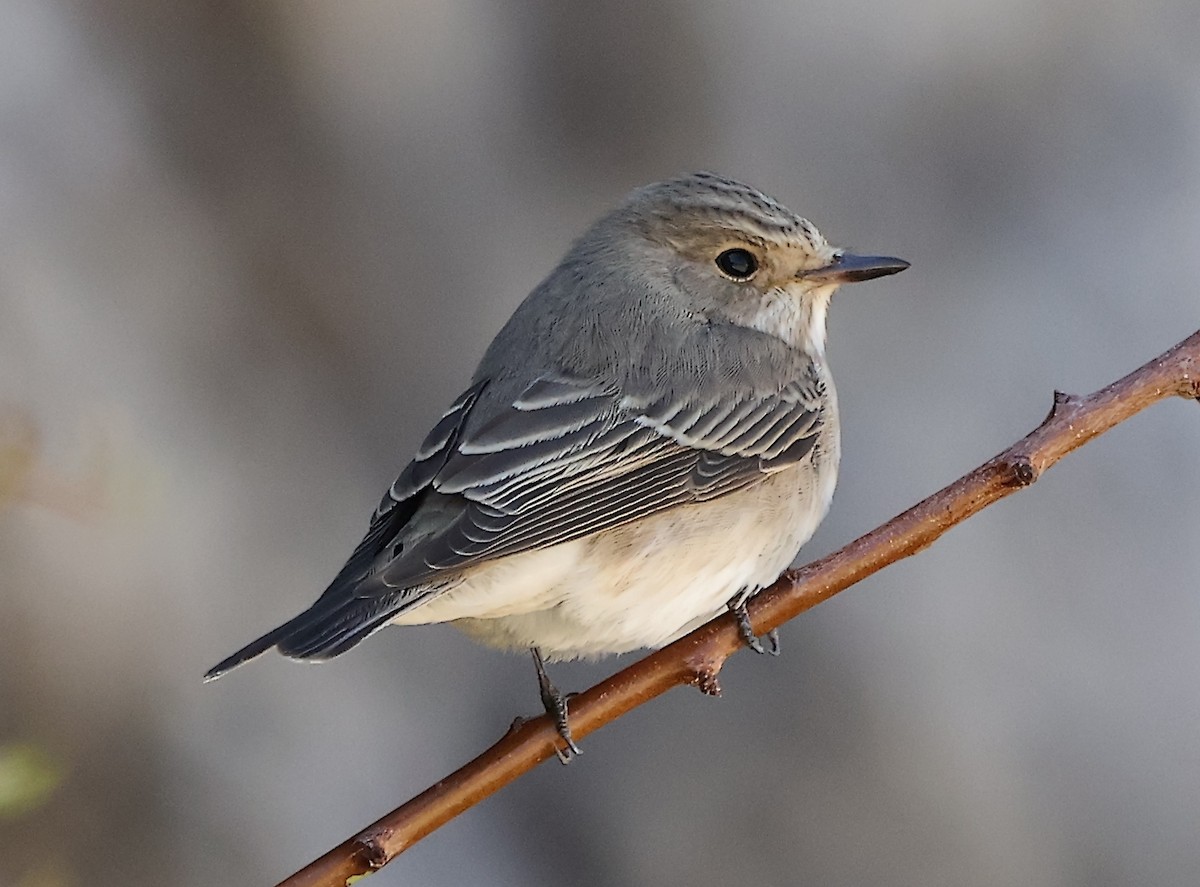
x=798, y=319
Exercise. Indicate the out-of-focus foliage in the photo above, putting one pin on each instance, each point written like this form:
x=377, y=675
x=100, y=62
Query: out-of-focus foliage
x=28, y=777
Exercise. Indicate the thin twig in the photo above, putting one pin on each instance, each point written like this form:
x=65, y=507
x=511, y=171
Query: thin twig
x=697, y=658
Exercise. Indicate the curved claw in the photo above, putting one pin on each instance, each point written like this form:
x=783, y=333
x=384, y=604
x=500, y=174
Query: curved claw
x=773, y=637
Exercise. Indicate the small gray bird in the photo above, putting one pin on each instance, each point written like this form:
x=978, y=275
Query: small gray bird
x=649, y=440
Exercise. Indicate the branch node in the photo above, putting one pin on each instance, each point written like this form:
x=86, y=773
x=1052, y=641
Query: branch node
x=1061, y=399
x=703, y=673
x=371, y=848
x=1021, y=470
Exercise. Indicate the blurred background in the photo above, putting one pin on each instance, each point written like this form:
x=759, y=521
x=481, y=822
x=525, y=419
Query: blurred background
x=250, y=250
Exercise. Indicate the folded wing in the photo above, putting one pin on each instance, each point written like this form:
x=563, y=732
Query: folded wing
x=562, y=460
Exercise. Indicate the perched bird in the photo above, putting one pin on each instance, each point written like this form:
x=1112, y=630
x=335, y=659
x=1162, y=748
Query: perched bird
x=649, y=440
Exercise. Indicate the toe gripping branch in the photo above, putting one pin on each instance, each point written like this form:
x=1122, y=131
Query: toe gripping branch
x=737, y=606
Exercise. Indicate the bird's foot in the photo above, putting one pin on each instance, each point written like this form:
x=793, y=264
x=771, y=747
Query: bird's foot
x=555, y=704
x=737, y=606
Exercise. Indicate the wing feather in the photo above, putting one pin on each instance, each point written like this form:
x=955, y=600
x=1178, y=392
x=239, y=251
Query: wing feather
x=559, y=461
x=565, y=460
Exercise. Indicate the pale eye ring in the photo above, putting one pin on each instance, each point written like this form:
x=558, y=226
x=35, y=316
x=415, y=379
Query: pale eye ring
x=737, y=264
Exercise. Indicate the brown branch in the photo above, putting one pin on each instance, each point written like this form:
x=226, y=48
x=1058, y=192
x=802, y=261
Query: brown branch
x=698, y=657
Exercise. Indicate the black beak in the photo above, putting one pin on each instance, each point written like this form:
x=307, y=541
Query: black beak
x=848, y=268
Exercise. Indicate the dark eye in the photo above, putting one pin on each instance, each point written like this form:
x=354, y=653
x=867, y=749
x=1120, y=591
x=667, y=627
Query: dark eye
x=737, y=263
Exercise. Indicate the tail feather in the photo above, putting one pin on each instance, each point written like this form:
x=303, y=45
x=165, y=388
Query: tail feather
x=317, y=633
x=352, y=607
x=333, y=633
x=253, y=649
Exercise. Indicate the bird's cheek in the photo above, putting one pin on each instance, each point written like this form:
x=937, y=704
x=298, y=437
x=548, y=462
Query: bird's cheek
x=700, y=290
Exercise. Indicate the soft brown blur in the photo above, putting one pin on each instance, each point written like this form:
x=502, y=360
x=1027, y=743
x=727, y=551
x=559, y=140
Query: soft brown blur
x=249, y=251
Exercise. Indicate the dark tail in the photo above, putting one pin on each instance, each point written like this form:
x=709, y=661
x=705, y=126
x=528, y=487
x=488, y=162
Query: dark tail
x=319, y=632
x=352, y=607
x=253, y=649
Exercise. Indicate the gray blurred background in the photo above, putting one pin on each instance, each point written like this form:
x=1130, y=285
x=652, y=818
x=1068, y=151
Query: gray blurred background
x=249, y=251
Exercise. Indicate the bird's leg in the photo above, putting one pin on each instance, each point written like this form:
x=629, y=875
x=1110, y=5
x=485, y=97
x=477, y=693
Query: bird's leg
x=555, y=704
x=737, y=606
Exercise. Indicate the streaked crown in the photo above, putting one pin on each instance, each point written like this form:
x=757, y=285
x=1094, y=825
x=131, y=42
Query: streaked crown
x=705, y=199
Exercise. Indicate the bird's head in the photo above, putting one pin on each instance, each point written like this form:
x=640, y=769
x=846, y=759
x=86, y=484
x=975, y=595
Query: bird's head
x=738, y=256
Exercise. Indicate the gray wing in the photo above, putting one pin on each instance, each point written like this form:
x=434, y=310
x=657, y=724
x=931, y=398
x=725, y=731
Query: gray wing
x=565, y=460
